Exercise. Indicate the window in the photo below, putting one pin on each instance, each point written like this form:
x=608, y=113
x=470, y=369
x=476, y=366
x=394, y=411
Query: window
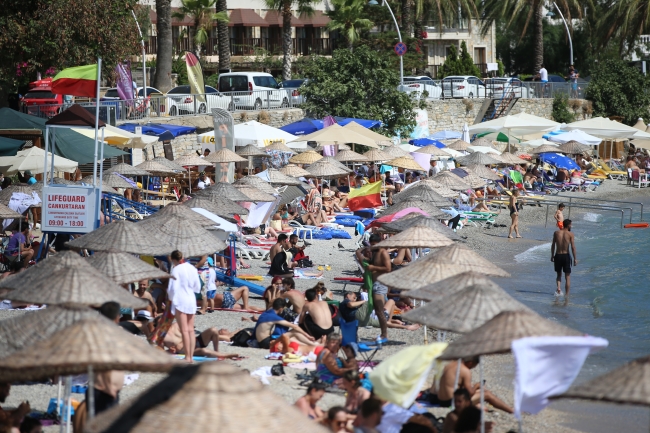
x=265, y=82
x=40, y=95
x=479, y=55
x=233, y=83
x=180, y=90
x=111, y=93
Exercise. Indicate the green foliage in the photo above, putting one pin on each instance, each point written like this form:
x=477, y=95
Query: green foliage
x=348, y=18
x=212, y=80
x=561, y=111
x=617, y=89
x=180, y=68
x=345, y=85
x=40, y=34
x=454, y=65
x=467, y=63
x=500, y=68
x=201, y=12
x=264, y=60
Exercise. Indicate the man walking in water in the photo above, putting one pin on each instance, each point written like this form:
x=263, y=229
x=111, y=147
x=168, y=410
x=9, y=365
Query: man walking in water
x=562, y=239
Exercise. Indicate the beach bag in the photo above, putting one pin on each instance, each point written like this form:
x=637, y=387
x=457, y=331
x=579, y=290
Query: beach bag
x=277, y=370
x=241, y=338
x=305, y=263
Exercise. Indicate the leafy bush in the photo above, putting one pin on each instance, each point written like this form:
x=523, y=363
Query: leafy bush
x=454, y=65
x=561, y=111
x=212, y=80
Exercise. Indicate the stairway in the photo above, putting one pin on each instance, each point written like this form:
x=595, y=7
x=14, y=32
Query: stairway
x=494, y=108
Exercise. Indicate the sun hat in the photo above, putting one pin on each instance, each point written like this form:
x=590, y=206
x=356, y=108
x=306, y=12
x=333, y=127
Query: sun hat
x=144, y=315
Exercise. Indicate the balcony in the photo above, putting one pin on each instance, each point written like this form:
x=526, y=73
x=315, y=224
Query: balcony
x=451, y=29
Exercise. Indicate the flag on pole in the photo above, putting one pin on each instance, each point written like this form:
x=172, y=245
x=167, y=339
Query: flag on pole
x=195, y=75
x=124, y=82
x=77, y=81
x=367, y=196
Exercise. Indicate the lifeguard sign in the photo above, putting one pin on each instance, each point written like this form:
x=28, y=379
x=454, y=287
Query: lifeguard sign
x=68, y=209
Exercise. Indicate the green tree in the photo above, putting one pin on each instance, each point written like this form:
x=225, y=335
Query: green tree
x=164, y=51
x=345, y=85
x=531, y=14
x=200, y=11
x=624, y=20
x=348, y=18
x=284, y=8
x=561, y=111
x=454, y=65
x=617, y=89
x=224, y=37
x=467, y=65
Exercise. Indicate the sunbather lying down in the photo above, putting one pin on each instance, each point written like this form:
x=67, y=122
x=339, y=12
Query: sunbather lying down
x=286, y=344
x=174, y=343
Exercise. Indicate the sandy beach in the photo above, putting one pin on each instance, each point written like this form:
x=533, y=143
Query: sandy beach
x=563, y=416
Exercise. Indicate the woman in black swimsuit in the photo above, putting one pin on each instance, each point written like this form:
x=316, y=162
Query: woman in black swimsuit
x=514, y=214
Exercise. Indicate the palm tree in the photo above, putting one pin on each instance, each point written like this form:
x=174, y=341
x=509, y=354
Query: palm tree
x=347, y=18
x=627, y=20
x=224, y=37
x=200, y=11
x=163, y=78
x=284, y=8
x=512, y=11
x=407, y=18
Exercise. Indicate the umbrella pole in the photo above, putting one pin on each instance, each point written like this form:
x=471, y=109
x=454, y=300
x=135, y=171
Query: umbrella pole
x=91, y=393
x=68, y=413
x=58, y=401
x=439, y=336
x=480, y=360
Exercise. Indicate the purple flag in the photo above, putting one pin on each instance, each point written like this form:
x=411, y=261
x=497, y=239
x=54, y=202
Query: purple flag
x=124, y=82
x=328, y=121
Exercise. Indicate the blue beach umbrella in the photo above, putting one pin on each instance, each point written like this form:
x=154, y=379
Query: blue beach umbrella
x=446, y=135
x=421, y=142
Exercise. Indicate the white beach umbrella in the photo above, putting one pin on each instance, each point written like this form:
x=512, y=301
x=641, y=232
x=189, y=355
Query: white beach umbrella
x=32, y=159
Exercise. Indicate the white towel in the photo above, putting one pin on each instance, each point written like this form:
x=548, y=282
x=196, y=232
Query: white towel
x=547, y=366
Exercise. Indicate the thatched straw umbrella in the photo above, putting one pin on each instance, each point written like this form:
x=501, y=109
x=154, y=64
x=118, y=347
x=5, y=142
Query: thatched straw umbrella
x=416, y=237
x=294, y=171
x=420, y=220
x=127, y=170
x=257, y=182
x=123, y=268
x=308, y=157
x=121, y=236
x=451, y=181
x=222, y=189
x=217, y=205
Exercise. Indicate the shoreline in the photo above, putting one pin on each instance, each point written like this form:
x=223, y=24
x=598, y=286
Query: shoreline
x=563, y=416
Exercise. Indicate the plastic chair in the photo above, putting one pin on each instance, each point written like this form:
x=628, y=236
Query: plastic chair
x=349, y=336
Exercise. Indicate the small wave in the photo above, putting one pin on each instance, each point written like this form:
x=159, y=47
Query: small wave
x=593, y=217
x=595, y=305
x=538, y=253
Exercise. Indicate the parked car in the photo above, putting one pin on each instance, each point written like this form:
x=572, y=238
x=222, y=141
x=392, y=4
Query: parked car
x=463, y=86
x=503, y=86
x=254, y=90
x=293, y=89
x=420, y=84
x=184, y=102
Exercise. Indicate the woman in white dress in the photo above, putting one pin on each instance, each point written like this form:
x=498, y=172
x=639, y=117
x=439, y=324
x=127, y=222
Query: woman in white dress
x=182, y=293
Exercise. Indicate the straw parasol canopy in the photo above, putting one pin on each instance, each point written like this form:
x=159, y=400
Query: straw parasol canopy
x=180, y=211
x=157, y=168
x=459, y=145
x=376, y=155
x=439, y=188
x=419, y=220
x=546, y=148
x=416, y=202
x=224, y=190
x=209, y=394
x=496, y=336
x=24, y=330
x=308, y=157
x=294, y=171
x=465, y=309
x=405, y=162
x=340, y=147
x=7, y=213
x=256, y=182
x=217, y=205
x=222, y=156
x=449, y=285
x=572, y=148
x=478, y=158
x=473, y=180
x=510, y=158
x=394, y=151
x=110, y=180
x=190, y=239
x=189, y=160
x=629, y=384
x=425, y=192
x=482, y=171
x=120, y=236
x=350, y=156
x=169, y=164
x=279, y=146
x=124, y=268
x=5, y=194
x=433, y=151
x=89, y=342
x=250, y=150
x=127, y=170
x=335, y=163
x=276, y=177
x=438, y=265
x=254, y=194
x=66, y=278
x=451, y=181
x=325, y=169
x=482, y=141
x=416, y=237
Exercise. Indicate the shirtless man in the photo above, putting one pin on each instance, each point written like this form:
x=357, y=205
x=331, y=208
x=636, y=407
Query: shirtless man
x=445, y=394
x=270, y=323
x=562, y=239
x=316, y=317
x=282, y=243
x=228, y=300
x=307, y=403
x=462, y=400
x=293, y=297
x=174, y=342
x=142, y=293
x=379, y=264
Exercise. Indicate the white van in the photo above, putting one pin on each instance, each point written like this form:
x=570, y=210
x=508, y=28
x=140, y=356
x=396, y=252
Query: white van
x=252, y=90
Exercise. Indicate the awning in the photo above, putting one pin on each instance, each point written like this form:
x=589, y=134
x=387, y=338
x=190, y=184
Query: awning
x=247, y=18
x=9, y=146
x=76, y=115
x=162, y=131
x=318, y=19
x=274, y=18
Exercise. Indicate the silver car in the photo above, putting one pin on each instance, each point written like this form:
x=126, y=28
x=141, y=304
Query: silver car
x=293, y=89
x=184, y=102
x=419, y=84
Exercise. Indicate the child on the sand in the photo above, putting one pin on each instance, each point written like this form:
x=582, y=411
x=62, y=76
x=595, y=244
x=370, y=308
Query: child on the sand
x=559, y=216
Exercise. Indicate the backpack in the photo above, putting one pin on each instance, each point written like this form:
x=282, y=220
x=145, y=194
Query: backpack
x=241, y=338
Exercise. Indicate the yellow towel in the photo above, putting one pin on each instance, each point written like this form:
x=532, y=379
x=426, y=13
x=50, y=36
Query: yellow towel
x=399, y=378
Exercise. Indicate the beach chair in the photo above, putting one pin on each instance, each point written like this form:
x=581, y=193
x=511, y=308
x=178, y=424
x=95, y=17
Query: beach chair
x=302, y=230
x=360, y=230
x=640, y=179
x=349, y=335
x=611, y=173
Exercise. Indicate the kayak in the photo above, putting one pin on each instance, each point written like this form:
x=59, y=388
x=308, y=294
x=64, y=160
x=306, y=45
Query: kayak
x=636, y=226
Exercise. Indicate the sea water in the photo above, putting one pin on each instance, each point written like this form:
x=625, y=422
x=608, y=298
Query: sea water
x=610, y=295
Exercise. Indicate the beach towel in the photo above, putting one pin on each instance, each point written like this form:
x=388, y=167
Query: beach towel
x=297, y=273
x=547, y=366
x=158, y=335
